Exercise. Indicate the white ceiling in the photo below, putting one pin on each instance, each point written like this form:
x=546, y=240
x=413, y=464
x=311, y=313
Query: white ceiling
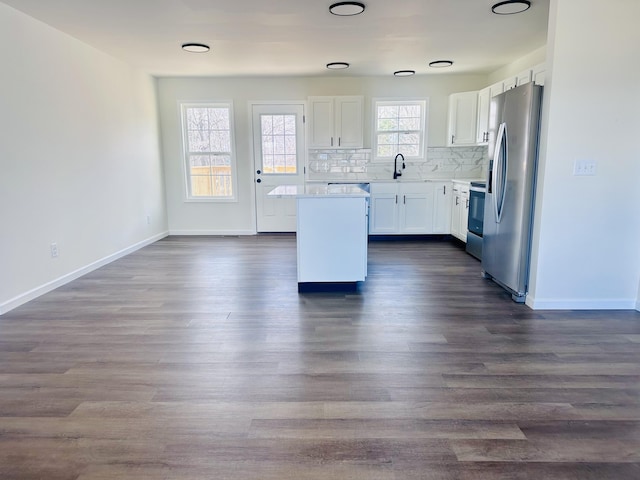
x=297, y=37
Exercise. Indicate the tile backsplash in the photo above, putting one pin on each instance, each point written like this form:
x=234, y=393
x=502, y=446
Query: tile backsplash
x=357, y=164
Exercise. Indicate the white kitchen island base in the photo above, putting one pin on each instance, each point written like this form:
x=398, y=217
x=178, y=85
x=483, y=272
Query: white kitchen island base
x=332, y=233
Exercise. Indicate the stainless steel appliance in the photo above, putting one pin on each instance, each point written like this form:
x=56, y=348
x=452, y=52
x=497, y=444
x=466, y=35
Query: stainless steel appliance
x=508, y=213
x=475, y=223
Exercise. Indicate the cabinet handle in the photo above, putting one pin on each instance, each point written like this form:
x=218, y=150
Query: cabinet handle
x=404, y=199
x=339, y=140
x=444, y=189
x=467, y=206
x=457, y=200
x=452, y=137
x=396, y=199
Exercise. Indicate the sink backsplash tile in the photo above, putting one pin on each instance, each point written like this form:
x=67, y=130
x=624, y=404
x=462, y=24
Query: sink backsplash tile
x=356, y=164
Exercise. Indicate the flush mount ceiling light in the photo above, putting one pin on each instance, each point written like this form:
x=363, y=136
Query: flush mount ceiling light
x=347, y=9
x=195, y=47
x=510, y=7
x=440, y=63
x=337, y=65
x=404, y=73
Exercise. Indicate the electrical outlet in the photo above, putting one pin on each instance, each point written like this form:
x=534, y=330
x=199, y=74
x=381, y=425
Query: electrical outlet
x=584, y=168
x=54, y=250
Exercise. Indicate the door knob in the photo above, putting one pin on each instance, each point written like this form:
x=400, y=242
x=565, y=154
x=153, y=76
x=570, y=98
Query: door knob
x=259, y=172
x=258, y=181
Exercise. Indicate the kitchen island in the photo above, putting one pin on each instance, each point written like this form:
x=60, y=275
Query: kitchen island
x=332, y=233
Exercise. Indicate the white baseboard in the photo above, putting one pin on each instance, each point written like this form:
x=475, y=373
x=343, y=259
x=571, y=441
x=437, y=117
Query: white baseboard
x=215, y=233
x=58, y=282
x=580, y=304
x=638, y=305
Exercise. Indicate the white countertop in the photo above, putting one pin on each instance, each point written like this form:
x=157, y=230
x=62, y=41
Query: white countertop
x=311, y=190
x=400, y=180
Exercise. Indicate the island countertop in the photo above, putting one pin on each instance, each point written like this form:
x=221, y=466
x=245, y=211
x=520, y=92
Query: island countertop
x=310, y=191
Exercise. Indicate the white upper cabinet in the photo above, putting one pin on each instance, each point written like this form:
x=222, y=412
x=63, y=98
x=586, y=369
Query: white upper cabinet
x=510, y=83
x=538, y=74
x=484, y=101
x=463, y=113
x=496, y=89
x=524, y=77
x=336, y=122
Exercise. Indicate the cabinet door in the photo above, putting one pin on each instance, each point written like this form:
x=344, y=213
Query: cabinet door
x=455, y=213
x=510, y=83
x=441, y=207
x=538, y=74
x=383, y=214
x=484, y=101
x=524, y=77
x=463, y=113
x=416, y=208
x=496, y=89
x=348, y=122
x=321, y=116
x=464, y=215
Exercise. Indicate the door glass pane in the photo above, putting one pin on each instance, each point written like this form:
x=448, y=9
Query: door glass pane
x=279, y=144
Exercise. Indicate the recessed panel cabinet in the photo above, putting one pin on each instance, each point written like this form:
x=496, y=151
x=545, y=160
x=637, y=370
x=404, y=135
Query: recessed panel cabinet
x=460, y=211
x=410, y=208
x=336, y=122
x=463, y=112
x=484, y=101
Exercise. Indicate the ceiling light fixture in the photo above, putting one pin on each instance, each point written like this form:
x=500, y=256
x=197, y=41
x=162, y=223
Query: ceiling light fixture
x=509, y=7
x=337, y=65
x=347, y=9
x=404, y=73
x=195, y=47
x=440, y=63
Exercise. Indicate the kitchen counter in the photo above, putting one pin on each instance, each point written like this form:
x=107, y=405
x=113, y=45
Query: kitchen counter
x=311, y=190
x=332, y=233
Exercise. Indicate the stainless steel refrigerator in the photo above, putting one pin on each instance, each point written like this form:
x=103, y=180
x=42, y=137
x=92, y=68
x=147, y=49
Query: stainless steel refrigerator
x=508, y=213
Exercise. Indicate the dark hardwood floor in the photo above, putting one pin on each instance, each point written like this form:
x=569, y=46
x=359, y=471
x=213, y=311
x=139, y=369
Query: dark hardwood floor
x=196, y=358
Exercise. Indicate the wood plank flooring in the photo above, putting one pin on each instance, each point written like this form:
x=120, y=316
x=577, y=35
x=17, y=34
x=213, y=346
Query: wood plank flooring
x=195, y=358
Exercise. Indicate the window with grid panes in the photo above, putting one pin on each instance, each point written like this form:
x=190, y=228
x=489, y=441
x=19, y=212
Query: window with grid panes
x=400, y=127
x=209, y=151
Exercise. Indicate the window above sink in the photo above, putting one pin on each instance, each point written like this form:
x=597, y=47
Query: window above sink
x=400, y=126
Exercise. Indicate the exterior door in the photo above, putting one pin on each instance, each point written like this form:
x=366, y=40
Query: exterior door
x=278, y=152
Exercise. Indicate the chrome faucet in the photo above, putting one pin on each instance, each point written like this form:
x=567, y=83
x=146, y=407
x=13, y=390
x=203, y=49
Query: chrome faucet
x=396, y=173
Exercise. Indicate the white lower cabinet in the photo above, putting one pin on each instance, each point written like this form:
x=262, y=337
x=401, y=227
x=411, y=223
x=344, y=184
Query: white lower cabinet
x=410, y=208
x=460, y=210
x=442, y=192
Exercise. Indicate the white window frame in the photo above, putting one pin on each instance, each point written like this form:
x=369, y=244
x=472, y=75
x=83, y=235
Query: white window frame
x=424, y=122
x=188, y=197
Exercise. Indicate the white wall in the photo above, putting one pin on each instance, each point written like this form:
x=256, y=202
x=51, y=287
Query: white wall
x=586, y=252
x=79, y=158
x=534, y=58
x=236, y=218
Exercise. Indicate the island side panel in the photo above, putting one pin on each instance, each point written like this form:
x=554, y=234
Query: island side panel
x=332, y=239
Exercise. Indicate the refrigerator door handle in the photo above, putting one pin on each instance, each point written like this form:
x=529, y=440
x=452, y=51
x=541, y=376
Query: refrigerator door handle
x=500, y=163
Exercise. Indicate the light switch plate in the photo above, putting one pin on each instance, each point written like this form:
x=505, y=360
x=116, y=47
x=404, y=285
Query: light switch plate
x=584, y=167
